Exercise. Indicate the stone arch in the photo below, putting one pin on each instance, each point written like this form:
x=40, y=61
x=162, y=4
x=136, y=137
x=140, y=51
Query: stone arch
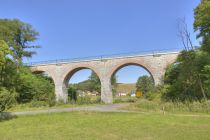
x=120, y=66
x=69, y=73
x=73, y=71
x=139, y=62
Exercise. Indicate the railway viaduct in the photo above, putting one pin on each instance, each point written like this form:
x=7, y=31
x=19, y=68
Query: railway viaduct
x=61, y=71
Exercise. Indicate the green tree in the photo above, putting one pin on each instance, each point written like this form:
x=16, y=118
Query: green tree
x=16, y=40
x=95, y=83
x=19, y=36
x=72, y=93
x=4, y=52
x=34, y=87
x=114, y=84
x=188, y=79
x=202, y=23
x=144, y=84
x=7, y=98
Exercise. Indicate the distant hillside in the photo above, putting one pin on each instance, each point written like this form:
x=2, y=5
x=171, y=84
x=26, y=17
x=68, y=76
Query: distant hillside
x=84, y=85
x=122, y=87
x=126, y=87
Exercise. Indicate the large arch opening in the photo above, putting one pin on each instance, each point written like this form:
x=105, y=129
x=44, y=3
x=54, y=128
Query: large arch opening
x=132, y=81
x=83, y=86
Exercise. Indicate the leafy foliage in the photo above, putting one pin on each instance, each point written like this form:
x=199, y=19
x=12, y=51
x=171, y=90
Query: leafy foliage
x=34, y=87
x=189, y=78
x=19, y=36
x=7, y=98
x=94, y=83
x=184, y=80
x=18, y=83
x=202, y=23
x=144, y=84
x=72, y=93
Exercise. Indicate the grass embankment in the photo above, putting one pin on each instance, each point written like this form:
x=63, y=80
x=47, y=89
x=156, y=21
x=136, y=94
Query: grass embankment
x=105, y=126
x=82, y=101
x=143, y=105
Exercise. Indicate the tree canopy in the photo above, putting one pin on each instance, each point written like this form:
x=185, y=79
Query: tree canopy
x=189, y=78
x=17, y=83
x=144, y=84
x=19, y=36
x=202, y=23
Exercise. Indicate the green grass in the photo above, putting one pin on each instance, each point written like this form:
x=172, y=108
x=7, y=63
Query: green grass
x=27, y=107
x=124, y=99
x=105, y=126
x=89, y=100
x=143, y=105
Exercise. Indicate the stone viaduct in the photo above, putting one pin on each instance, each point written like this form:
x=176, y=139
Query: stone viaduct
x=61, y=71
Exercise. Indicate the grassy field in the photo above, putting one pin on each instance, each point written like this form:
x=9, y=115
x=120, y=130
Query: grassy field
x=92, y=100
x=143, y=105
x=105, y=126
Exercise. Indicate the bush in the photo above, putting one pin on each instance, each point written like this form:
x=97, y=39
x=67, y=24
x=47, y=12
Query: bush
x=173, y=107
x=96, y=100
x=72, y=93
x=34, y=87
x=147, y=105
x=87, y=100
x=83, y=100
x=125, y=99
x=38, y=104
x=7, y=99
x=196, y=107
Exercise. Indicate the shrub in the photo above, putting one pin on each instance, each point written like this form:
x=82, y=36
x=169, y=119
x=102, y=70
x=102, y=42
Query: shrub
x=96, y=100
x=125, y=99
x=7, y=99
x=34, y=87
x=83, y=100
x=38, y=104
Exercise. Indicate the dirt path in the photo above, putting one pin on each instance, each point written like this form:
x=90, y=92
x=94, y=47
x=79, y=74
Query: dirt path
x=102, y=108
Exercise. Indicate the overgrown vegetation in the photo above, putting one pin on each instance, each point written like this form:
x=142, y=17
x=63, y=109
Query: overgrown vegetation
x=17, y=83
x=145, y=105
x=188, y=79
x=145, y=84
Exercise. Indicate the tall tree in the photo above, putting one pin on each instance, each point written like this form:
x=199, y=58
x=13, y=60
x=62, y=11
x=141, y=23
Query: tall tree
x=202, y=23
x=188, y=79
x=19, y=36
x=4, y=52
x=145, y=84
x=95, y=82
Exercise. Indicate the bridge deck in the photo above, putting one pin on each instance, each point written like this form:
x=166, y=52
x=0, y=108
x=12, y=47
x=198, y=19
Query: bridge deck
x=103, y=57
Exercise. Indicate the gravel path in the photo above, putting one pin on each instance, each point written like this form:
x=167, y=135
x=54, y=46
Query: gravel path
x=101, y=108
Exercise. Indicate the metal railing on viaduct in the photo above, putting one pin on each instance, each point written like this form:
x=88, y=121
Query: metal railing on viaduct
x=104, y=57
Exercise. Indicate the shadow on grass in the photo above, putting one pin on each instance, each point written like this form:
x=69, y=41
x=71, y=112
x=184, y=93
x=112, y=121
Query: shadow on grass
x=6, y=116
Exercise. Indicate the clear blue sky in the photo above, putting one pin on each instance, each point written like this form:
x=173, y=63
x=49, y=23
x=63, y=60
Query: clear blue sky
x=81, y=28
